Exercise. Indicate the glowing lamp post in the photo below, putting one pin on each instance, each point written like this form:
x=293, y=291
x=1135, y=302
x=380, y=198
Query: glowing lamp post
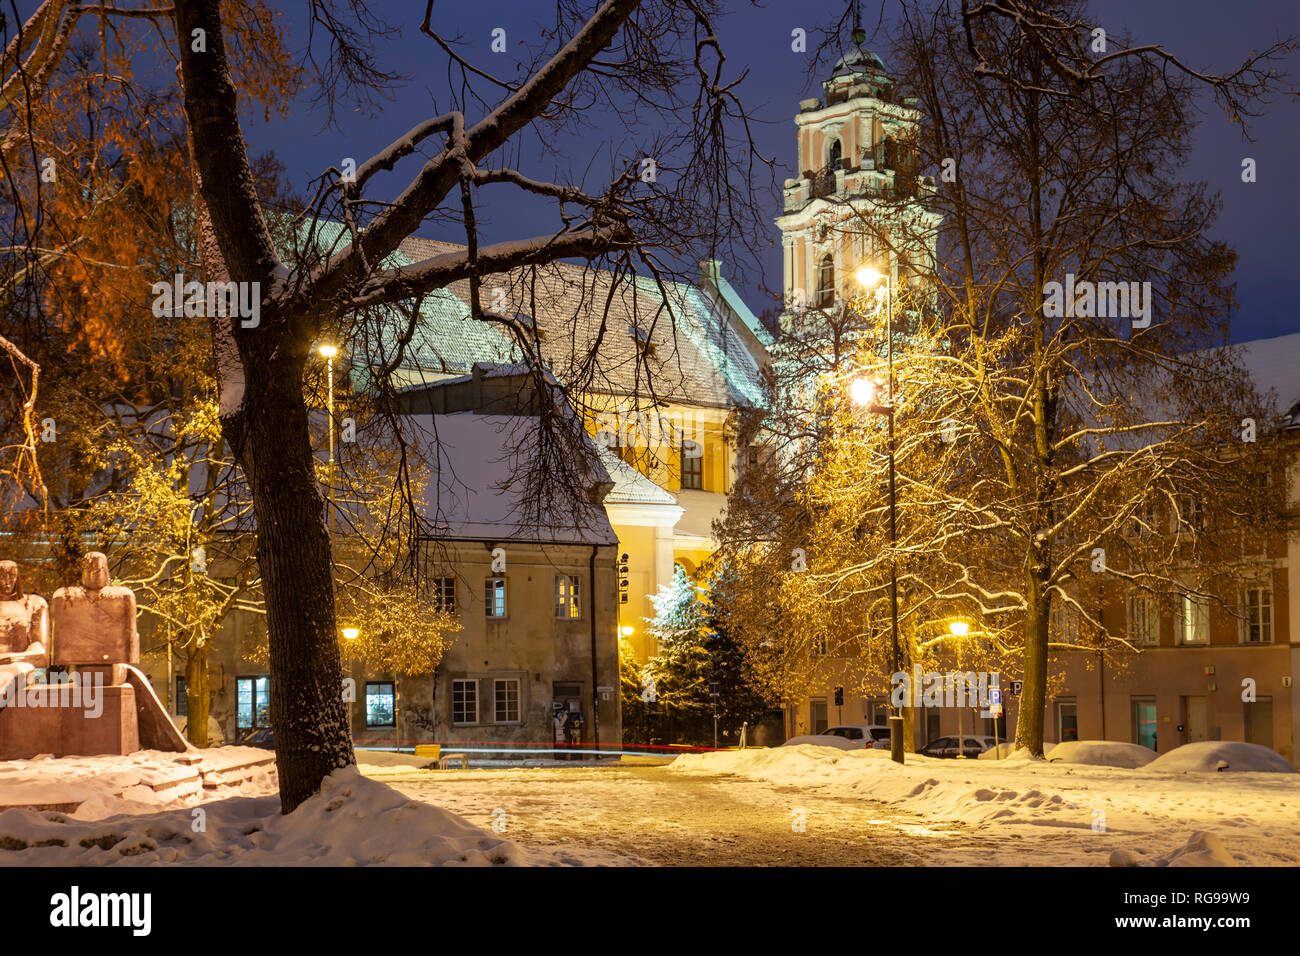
x=960, y=629
x=863, y=392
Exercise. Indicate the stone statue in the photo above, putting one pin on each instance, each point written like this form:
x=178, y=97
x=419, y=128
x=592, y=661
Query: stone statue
x=94, y=624
x=24, y=628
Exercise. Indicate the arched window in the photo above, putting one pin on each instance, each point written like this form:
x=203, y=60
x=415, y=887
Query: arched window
x=826, y=282
x=891, y=153
x=835, y=156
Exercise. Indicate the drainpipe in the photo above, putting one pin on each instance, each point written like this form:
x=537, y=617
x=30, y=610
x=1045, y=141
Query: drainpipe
x=591, y=603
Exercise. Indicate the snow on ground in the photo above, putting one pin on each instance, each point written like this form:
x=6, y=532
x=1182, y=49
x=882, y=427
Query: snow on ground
x=1255, y=815
x=1102, y=753
x=352, y=821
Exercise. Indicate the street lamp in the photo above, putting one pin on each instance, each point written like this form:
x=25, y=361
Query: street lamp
x=863, y=392
x=960, y=629
x=329, y=351
x=351, y=634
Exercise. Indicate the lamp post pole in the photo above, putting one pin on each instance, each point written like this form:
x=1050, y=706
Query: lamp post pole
x=895, y=719
x=868, y=276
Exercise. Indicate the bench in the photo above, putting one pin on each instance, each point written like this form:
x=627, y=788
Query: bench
x=444, y=762
x=428, y=750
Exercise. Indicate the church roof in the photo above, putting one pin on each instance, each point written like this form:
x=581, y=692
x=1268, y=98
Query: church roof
x=859, y=60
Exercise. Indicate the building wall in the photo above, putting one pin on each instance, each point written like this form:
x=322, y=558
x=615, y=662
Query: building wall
x=530, y=644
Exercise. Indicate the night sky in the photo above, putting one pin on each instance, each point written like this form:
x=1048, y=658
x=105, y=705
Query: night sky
x=1258, y=219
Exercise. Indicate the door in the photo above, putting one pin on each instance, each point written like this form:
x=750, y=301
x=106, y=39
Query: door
x=1067, y=721
x=932, y=729
x=1259, y=722
x=567, y=715
x=1144, y=722
x=1196, y=724
x=818, y=715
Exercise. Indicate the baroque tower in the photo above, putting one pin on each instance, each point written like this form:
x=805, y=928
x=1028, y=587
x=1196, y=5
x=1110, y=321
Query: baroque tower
x=858, y=199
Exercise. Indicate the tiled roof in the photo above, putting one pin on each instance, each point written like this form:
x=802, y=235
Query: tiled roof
x=697, y=358
x=630, y=486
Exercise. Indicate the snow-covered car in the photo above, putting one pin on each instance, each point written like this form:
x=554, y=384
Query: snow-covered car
x=866, y=736
x=948, y=746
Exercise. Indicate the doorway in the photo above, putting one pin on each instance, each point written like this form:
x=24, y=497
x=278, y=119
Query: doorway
x=1196, y=724
x=1259, y=722
x=1144, y=722
x=818, y=715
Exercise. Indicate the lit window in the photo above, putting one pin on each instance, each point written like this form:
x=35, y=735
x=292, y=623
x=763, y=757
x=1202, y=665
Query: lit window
x=566, y=596
x=379, y=704
x=495, y=597
x=443, y=593
x=252, y=703
x=1143, y=619
x=819, y=646
x=1193, y=618
x=1257, y=614
x=506, y=697
x=464, y=701
x=826, y=282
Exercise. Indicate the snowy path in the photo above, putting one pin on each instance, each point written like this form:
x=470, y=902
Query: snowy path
x=673, y=819
x=860, y=810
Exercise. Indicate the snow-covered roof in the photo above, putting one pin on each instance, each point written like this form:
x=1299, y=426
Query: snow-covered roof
x=699, y=357
x=630, y=486
x=476, y=490
x=1275, y=365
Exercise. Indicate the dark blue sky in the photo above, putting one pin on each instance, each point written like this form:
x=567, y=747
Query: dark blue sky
x=1258, y=219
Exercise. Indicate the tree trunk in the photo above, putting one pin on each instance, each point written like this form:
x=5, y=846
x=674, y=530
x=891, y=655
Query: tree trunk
x=1033, y=699
x=308, y=715
x=198, y=699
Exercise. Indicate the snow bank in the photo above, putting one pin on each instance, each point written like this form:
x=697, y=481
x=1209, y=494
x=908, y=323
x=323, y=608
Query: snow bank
x=1201, y=849
x=1208, y=756
x=1093, y=807
x=1102, y=753
x=352, y=821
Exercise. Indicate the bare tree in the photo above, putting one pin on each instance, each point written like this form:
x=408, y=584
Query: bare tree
x=662, y=58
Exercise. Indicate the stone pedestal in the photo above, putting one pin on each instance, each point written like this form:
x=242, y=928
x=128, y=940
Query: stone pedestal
x=65, y=728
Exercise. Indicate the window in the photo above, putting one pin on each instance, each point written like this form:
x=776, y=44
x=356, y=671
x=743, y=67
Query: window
x=819, y=646
x=835, y=156
x=692, y=465
x=443, y=592
x=252, y=703
x=506, y=697
x=179, y=704
x=1067, y=720
x=464, y=701
x=826, y=282
x=566, y=596
x=1257, y=614
x=1143, y=619
x=379, y=704
x=1190, y=513
x=1144, y=520
x=1193, y=618
x=494, y=601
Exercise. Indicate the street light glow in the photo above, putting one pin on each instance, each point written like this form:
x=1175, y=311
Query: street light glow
x=863, y=391
x=351, y=633
x=959, y=628
x=329, y=351
x=626, y=631
x=869, y=275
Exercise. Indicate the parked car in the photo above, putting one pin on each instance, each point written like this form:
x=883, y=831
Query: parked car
x=948, y=746
x=867, y=736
